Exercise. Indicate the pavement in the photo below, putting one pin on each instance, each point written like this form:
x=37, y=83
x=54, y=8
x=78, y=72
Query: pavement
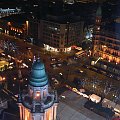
x=71, y=107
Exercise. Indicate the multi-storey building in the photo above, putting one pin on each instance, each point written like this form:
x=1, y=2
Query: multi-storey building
x=57, y=33
x=60, y=37
x=15, y=25
x=106, y=47
x=38, y=103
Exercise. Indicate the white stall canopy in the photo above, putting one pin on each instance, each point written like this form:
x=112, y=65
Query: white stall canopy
x=95, y=98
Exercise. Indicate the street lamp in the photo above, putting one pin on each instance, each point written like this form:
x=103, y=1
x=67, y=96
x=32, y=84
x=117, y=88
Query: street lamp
x=9, y=24
x=27, y=23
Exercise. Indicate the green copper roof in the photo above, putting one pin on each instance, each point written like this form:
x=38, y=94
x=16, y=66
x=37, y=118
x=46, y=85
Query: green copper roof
x=99, y=11
x=38, y=75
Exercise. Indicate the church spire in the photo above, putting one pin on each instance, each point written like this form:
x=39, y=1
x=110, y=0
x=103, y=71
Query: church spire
x=99, y=11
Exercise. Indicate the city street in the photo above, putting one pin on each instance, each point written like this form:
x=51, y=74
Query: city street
x=66, y=73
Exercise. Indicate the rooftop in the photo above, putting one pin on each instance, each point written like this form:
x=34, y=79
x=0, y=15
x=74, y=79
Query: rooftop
x=38, y=77
x=74, y=105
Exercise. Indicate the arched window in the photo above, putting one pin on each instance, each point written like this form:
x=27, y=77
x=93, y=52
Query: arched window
x=37, y=95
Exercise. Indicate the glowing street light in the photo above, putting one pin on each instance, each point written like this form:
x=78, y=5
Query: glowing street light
x=27, y=23
x=3, y=78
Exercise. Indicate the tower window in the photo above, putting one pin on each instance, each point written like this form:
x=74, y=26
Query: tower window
x=44, y=94
x=37, y=96
x=31, y=92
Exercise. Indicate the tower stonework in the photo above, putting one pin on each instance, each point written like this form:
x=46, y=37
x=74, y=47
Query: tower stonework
x=96, y=31
x=38, y=103
x=98, y=20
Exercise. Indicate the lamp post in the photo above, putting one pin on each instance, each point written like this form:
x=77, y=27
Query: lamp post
x=9, y=24
x=27, y=23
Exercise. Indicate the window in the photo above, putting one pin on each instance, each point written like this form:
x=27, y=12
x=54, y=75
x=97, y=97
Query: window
x=37, y=95
x=31, y=92
x=44, y=93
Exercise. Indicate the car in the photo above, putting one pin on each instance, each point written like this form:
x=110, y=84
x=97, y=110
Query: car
x=28, y=48
x=59, y=64
x=60, y=74
x=75, y=58
x=79, y=71
x=24, y=40
x=110, y=75
x=86, y=66
x=65, y=62
x=53, y=65
x=55, y=81
x=103, y=72
x=93, y=69
x=118, y=78
x=58, y=59
x=53, y=59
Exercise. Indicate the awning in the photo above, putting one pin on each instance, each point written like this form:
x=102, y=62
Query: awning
x=117, y=108
x=95, y=98
x=108, y=103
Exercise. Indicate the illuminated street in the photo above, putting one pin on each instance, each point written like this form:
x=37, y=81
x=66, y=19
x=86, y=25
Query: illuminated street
x=69, y=73
x=59, y=60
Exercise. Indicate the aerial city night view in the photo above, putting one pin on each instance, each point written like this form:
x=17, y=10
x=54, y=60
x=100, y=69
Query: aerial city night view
x=59, y=59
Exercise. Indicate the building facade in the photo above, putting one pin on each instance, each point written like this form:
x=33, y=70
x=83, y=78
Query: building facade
x=60, y=37
x=15, y=25
x=57, y=35
x=106, y=46
x=38, y=103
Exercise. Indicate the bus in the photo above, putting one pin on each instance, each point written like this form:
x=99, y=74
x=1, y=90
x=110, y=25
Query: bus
x=80, y=53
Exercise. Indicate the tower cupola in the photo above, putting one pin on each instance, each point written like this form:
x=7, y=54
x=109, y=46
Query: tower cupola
x=37, y=103
x=38, y=77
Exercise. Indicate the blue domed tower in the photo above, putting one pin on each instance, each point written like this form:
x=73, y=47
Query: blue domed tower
x=38, y=103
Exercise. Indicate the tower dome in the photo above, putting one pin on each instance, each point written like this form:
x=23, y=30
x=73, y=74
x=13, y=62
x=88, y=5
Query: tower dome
x=38, y=77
